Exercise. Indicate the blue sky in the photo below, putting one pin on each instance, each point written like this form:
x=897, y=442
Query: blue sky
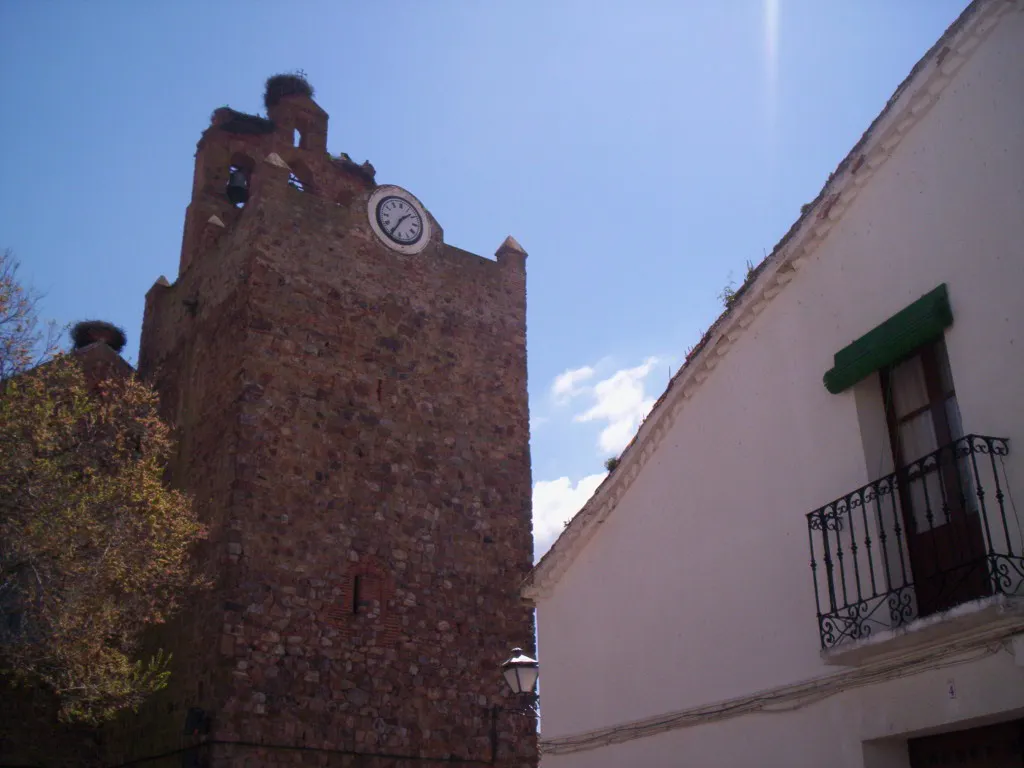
x=642, y=152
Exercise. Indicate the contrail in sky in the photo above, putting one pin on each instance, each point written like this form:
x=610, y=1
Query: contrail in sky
x=771, y=55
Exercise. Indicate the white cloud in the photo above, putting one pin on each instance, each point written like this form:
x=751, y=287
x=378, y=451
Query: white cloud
x=554, y=504
x=567, y=383
x=621, y=401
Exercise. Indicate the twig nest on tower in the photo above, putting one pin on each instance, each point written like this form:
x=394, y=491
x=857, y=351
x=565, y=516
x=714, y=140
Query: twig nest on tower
x=90, y=331
x=279, y=86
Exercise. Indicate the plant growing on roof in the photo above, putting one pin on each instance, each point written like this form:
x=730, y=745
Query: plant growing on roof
x=728, y=294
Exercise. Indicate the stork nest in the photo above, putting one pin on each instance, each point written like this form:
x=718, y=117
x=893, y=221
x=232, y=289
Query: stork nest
x=279, y=86
x=90, y=331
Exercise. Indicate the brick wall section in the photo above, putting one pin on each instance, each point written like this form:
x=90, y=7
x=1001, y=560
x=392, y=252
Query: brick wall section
x=347, y=415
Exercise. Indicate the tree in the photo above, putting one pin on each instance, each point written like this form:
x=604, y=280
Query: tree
x=94, y=548
x=24, y=341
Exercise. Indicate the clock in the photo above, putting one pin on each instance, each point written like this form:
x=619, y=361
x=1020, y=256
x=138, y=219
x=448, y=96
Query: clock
x=398, y=219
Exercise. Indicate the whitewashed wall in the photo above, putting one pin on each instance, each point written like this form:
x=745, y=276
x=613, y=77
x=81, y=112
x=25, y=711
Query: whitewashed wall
x=856, y=728
x=697, y=588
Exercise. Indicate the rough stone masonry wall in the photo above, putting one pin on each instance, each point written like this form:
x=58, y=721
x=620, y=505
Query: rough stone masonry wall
x=360, y=430
x=192, y=357
x=386, y=439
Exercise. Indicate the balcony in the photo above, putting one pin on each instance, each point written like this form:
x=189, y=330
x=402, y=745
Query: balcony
x=938, y=533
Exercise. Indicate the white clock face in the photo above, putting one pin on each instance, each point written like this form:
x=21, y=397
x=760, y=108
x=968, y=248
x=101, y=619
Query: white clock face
x=399, y=220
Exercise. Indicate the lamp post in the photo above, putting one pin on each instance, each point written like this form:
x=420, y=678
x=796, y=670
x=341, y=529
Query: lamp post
x=520, y=672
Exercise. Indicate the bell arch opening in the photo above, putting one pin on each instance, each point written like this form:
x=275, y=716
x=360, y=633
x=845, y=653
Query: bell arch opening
x=300, y=178
x=239, y=177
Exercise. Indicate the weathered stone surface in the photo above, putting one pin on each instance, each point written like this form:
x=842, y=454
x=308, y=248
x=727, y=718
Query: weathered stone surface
x=354, y=427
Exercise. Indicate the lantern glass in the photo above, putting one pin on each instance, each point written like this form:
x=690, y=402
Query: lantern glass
x=520, y=672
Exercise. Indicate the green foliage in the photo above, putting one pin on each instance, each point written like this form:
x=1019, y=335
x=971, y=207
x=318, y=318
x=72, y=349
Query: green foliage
x=611, y=464
x=728, y=294
x=93, y=547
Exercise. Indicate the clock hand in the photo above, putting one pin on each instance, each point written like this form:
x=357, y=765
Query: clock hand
x=403, y=218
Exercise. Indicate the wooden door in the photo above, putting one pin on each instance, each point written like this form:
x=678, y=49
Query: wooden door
x=941, y=520
x=993, y=746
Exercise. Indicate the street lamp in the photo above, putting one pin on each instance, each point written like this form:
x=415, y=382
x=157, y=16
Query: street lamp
x=520, y=672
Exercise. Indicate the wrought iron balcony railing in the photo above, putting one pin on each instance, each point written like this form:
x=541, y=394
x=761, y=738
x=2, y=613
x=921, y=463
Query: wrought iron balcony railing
x=934, y=534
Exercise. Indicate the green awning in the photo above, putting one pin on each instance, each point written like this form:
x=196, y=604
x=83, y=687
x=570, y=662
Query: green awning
x=907, y=330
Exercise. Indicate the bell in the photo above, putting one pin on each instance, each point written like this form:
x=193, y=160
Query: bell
x=238, y=187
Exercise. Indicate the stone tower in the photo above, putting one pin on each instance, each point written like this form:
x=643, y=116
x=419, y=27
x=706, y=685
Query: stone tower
x=349, y=393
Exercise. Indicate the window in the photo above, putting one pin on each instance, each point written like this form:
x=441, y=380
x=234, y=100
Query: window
x=923, y=412
x=943, y=530
x=297, y=138
x=366, y=595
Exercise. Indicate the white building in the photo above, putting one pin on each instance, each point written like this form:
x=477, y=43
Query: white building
x=754, y=584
